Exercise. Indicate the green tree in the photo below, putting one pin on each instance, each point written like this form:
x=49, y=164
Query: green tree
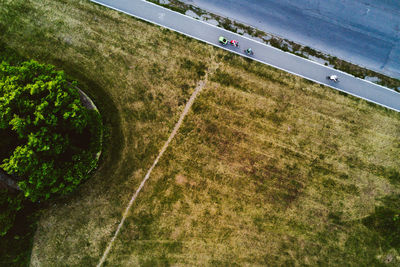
x=55, y=133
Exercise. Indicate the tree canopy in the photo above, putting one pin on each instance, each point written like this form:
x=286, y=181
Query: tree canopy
x=55, y=136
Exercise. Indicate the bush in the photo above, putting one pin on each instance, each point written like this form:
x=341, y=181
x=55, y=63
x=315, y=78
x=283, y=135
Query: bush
x=56, y=134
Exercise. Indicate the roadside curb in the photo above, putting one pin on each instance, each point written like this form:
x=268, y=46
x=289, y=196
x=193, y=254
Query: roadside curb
x=263, y=44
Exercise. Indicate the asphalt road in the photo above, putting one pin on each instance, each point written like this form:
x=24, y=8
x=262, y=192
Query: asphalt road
x=364, y=32
x=262, y=53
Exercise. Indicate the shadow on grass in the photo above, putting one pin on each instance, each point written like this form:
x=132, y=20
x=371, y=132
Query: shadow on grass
x=113, y=140
x=16, y=246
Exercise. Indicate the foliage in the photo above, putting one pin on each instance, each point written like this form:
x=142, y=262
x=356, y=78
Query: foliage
x=44, y=110
x=239, y=168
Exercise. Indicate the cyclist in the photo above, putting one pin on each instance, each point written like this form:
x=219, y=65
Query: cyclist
x=333, y=78
x=234, y=43
x=249, y=51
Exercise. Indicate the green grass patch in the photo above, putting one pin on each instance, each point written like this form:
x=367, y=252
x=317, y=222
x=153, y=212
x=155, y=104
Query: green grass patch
x=259, y=174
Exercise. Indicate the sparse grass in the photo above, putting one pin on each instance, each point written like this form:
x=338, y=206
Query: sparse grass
x=139, y=76
x=270, y=173
x=267, y=169
x=174, y=8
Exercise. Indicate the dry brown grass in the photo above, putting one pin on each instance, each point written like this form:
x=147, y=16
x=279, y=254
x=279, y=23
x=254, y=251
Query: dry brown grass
x=259, y=172
x=267, y=169
x=140, y=80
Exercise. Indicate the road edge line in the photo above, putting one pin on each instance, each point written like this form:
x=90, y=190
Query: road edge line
x=243, y=55
x=255, y=40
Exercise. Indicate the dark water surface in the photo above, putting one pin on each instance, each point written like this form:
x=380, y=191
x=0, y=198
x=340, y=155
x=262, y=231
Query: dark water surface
x=365, y=32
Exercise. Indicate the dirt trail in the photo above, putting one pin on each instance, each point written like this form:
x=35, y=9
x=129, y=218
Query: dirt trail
x=189, y=104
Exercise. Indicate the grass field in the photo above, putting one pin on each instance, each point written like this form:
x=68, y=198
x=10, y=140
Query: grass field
x=267, y=169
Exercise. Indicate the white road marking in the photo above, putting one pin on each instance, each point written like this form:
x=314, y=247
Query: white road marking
x=390, y=91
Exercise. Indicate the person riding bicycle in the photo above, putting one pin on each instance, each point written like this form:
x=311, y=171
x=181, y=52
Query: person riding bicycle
x=333, y=78
x=249, y=51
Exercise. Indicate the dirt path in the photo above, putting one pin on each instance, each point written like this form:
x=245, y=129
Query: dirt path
x=189, y=104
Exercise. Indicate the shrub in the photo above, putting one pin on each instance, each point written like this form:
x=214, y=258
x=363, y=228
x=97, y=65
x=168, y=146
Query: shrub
x=56, y=134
